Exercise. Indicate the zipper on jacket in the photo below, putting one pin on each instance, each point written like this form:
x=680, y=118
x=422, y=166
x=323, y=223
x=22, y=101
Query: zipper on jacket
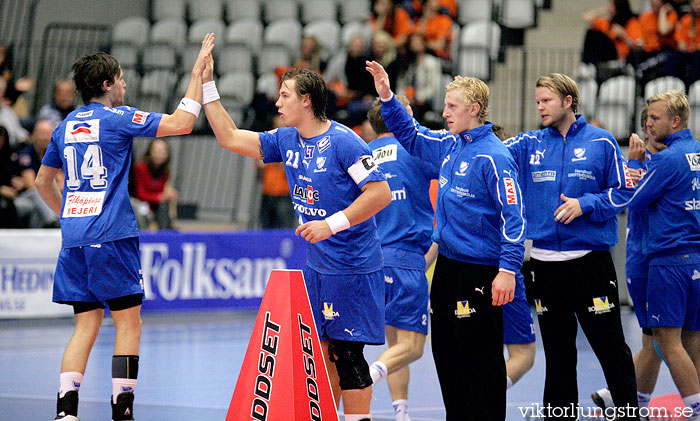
x=561, y=191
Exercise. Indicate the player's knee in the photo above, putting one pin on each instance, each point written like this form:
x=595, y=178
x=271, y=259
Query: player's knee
x=416, y=352
x=353, y=370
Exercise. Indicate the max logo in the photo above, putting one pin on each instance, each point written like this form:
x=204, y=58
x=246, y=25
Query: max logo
x=81, y=128
x=511, y=195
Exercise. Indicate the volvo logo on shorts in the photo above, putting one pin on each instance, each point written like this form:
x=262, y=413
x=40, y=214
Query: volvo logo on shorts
x=601, y=305
x=693, y=161
x=463, y=310
x=328, y=312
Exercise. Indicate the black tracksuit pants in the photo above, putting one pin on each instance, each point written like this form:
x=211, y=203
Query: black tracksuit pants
x=467, y=341
x=583, y=289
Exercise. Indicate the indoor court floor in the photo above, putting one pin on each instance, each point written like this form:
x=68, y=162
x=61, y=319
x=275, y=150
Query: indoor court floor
x=189, y=364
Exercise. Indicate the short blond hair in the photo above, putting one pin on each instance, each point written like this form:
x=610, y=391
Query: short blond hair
x=676, y=104
x=561, y=84
x=474, y=91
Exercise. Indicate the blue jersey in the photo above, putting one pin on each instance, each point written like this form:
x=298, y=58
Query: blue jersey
x=586, y=164
x=93, y=145
x=479, y=208
x=636, y=262
x=671, y=191
x=407, y=223
x=326, y=174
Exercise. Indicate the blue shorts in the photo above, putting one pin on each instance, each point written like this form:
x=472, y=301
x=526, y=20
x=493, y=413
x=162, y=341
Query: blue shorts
x=518, y=326
x=99, y=272
x=347, y=307
x=673, y=294
x=637, y=288
x=406, y=299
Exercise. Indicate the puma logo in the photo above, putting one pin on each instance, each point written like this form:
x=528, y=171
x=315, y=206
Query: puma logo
x=613, y=283
x=656, y=317
x=350, y=331
x=481, y=290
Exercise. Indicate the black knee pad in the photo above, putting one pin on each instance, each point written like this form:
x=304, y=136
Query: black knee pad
x=122, y=303
x=350, y=362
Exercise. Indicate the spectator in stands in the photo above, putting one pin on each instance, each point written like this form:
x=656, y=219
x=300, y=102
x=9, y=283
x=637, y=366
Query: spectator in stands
x=680, y=6
x=421, y=81
x=349, y=83
x=31, y=209
x=389, y=17
x=15, y=87
x=9, y=119
x=685, y=63
x=276, y=210
x=614, y=23
x=311, y=55
x=384, y=53
x=151, y=182
x=658, y=24
x=436, y=28
x=62, y=103
x=8, y=182
x=415, y=8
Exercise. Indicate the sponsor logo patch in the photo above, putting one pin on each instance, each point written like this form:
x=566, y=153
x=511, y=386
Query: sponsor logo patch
x=540, y=176
x=601, y=305
x=309, y=151
x=82, y=131
x=84, y=114
x=511, y=195
x=693, y=161
x=328, y=312
x=463, y=166
x=463, y=310
x=324, y=144
x=539, y=307
x=140, y=117
x=306, y=194
x=628, y=178
x=579, y=154
x=385, y=154
x=81, y=204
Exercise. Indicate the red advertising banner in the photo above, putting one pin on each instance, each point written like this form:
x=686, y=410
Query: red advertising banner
x=283, y=376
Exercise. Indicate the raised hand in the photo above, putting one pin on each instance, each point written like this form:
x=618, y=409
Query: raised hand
x=381, y=79
x=207, y=47
x=208, y=72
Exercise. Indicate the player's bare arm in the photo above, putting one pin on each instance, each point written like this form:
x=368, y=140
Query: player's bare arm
x=375, y=196
x=47, y=188
x=181, y=121
x=229, y=136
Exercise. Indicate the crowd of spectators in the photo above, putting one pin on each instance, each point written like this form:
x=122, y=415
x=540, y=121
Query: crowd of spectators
x=663, y=40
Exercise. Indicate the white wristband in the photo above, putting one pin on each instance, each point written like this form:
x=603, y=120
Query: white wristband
x=190, y=105
x=209, y=92
x=338, y=222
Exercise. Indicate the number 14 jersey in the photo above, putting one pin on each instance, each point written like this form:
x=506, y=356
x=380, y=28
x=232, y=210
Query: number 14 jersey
x=93, y=146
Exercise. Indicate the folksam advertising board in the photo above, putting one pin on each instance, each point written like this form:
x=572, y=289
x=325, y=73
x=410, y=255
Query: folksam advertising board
x=180, y=271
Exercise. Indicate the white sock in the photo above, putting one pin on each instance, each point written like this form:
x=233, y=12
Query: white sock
x=122, y=385
x=70, y=380
x=509, y=381
x=644, y=399
x=693, y=402
x=607, y=397
x=401, y=410
x=357, y=417
x=378, y=371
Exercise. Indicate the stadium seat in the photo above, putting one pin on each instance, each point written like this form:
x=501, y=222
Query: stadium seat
x=280, y=9
x=205, y=9
x=476, y=51
x=518, y=13
x=694, y=101
x=161, y=56
x=316, y=10
x=474, y=11
x=167, y=9
x=236, y=88
x=233, y=57
x=272, y=56
x=351, y=28
x=132, y=30
x=169, y=31
x=127, y=54
x=156, y=90
x=662, y=84
x=588, y=94
x=616, y=105
x=354, y=11
x=284, y=32
x=133, y=82
x=195, y=36
x=248, y=32
x=327, y=33
x=242, y=10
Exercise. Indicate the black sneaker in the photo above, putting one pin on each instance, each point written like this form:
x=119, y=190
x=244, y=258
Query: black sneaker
x=123, y=410
x=67, y=407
